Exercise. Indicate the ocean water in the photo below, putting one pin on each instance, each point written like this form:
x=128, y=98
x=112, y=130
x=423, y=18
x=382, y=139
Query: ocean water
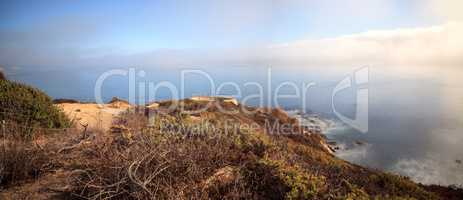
x=415, y=114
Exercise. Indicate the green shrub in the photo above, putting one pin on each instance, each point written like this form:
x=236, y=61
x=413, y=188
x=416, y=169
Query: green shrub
x=264, y=180
x=29, y=106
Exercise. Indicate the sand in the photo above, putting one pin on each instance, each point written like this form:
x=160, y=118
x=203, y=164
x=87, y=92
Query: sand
x=96, y=116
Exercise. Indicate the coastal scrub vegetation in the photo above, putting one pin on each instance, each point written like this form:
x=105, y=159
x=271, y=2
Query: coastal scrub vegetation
x=24, y=113
x=28, y=106
x=183, y=156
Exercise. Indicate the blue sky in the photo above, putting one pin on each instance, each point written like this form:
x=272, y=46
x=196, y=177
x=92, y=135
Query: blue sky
x=190, y=24
x=77, y=30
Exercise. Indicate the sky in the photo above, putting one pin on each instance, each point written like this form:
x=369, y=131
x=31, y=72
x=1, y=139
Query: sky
x=56, y=34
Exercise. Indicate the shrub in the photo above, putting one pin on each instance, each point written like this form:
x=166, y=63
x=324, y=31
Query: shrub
x=263, y=179
x=166, y=160
x=2, y=76
x=29, y=106
x=115, y=100
x=398, y=186
x=58, y=101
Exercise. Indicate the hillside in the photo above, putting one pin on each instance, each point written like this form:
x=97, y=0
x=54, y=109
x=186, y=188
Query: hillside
x=224, y=151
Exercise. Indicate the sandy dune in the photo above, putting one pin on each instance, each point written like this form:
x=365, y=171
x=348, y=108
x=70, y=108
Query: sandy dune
x=95, y=115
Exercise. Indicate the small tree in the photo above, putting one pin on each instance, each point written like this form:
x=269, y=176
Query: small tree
x=2, y=76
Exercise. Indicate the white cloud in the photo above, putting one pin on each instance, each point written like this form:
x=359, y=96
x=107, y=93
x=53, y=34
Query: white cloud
x=437, y=45
x=449, y=10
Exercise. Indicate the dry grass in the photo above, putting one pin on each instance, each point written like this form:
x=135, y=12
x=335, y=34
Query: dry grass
x=150, y=164
x=169, y=159
x=20, y=160
x=27, y=156
x=173, y=163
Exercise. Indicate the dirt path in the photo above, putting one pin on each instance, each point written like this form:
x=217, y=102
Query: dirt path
x=47, y=186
